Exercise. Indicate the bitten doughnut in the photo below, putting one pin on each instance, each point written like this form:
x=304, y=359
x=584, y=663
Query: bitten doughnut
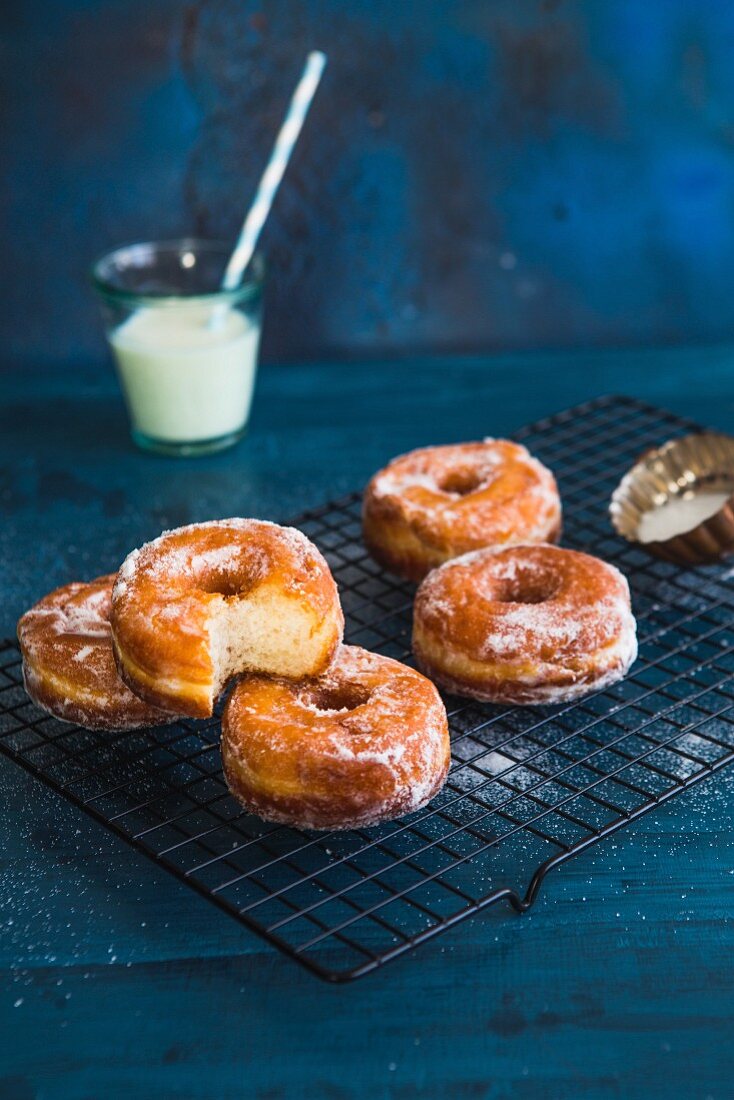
x=527, y=624
x=367, y=742
x=68, y=667
x=436, y=503
x=202, y=603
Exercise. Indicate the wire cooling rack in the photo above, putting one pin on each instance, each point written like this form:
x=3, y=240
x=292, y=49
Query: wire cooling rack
x=528, y=787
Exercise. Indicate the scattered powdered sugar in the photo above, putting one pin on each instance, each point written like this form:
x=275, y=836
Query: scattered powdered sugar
x=68, y=665
x=127, y=568
x=185, y=553
x=493, y=505
x=211, y=589
x=616, y=659
x=393, y=482
x=77, y=609
x=342, y=748
x=87, y=621
x=428, y=467
x=326, y=712
x=398, y=723
x=217, y=558
x=508, y=567
x=462, y=606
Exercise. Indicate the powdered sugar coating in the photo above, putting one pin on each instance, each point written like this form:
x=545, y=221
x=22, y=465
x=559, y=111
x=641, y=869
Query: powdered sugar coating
x=172, y=555
x=436, y=503
x=525, y=624
x=68, y=666
x=366, y=742
x=204, y=602
x=487, y=463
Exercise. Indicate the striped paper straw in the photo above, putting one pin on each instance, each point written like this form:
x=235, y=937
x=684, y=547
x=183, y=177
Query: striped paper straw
x=273, y=174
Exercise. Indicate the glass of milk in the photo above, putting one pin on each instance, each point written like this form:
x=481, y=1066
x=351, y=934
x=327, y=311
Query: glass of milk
x=185, y=350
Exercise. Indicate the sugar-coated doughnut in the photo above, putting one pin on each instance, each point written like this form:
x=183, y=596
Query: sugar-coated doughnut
x=437, y=503
x=68, y=667
x=526, y=624
x=366, y=742
x=205, y=602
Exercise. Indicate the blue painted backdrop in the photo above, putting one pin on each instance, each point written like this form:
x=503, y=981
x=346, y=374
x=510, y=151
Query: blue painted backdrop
x=476, y=173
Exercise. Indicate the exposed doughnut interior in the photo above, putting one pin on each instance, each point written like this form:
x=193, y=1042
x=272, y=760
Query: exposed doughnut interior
x=266, y=633
x=204, y=603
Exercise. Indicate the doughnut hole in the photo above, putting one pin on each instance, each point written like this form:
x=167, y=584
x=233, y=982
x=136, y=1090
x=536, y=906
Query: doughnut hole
x=228, y=585
x=461, y=480
x=337, y=698
x=529, y=586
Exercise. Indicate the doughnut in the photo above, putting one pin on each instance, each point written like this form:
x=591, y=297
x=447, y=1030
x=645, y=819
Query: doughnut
x=525, y=624
x=437, y=503
x=68, y=667
x=202, y=603
x=366, y=742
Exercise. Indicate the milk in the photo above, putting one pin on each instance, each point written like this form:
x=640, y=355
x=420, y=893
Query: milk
x=679, y=515
x=187, y=376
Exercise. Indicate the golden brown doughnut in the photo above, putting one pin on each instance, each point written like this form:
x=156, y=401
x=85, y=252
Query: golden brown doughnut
x=527, y=624
x=203, y=603
x=366, y=742
x=68, y=667
x=436, y=503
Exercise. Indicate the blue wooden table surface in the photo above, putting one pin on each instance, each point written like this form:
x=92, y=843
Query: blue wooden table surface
x=117, y=980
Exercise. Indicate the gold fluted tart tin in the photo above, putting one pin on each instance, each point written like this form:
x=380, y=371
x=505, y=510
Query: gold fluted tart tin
x=680, y=469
